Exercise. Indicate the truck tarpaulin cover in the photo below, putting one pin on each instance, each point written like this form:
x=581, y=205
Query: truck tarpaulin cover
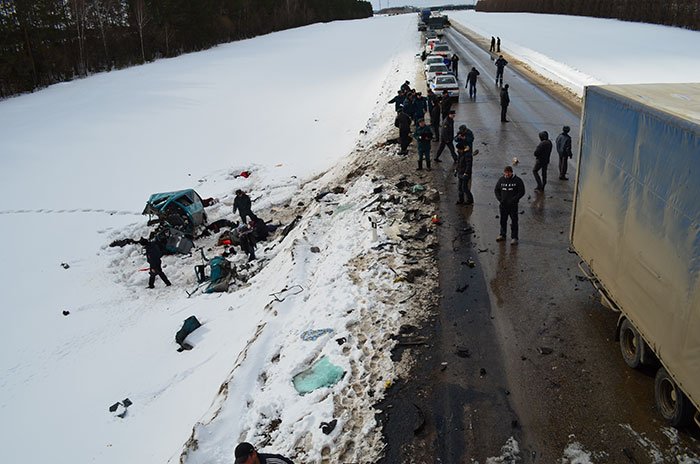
x=637, y=210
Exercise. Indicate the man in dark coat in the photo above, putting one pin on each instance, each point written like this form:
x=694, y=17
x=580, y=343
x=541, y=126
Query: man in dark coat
x=245, y=453
x=471, y=82
x=406, y=87
x=403, y=122
x=493, y=44
x=463, y=168
x=420, y=106
x=432, y=100
x=564, y=150
x=455, y=64
x=154, y=253
x=409, y=105
x=435, y=120
x=242, y=204
x=505, y=101
x=445, y=104
x=398, y=100
x=423, y=135
x=542, y=153
x=509, y=190
x=498, y=45
x=446, y=135
x=500, y=65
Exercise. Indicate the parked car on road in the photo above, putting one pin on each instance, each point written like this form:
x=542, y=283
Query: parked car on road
x=430, y=43
x=435, y=70
x=442, y=49
x=433, y=59
x=444, y=82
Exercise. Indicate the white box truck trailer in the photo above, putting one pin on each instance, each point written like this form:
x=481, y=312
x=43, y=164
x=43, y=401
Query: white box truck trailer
x=636, y=227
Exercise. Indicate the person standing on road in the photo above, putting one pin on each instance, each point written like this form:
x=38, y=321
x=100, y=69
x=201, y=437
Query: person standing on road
x=423, y=135
x=432, y=100
x=542, y=154
x=509, y=190
x=445, y=104
x=564, y=149
x=403, y=122
x=154, y=253
x=455, y=64
x=242, y=204
x=471, y=82
x=500, y=65
x=493, y=44
x=435, y=119
x=463, y=168
x=245, y=453
x=505, y=101
x=446, y=136
x=498, y=45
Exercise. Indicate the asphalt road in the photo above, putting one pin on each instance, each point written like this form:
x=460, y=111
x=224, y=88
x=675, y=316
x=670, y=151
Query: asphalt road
x=529, y=351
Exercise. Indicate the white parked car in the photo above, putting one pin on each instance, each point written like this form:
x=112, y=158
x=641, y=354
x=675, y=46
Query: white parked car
x=430, y=43
x=444, y=82
x=442, y=49
x=435, y=70
x=433, y=59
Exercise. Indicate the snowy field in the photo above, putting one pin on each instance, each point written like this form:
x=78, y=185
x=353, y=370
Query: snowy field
x=577, y=51
x=79, y=161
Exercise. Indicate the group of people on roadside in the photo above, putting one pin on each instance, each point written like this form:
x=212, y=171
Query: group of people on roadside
x=510, y=188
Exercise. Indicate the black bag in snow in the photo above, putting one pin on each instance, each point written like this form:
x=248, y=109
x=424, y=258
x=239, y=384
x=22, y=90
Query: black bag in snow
x=190, y=325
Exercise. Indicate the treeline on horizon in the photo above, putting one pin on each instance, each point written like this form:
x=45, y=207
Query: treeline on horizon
x=679, y=13
x=43, y=42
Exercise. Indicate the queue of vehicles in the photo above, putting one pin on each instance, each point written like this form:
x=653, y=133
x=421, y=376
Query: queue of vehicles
x=438, y=75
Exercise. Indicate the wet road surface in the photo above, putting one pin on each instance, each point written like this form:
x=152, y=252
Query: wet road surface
x=529, y=351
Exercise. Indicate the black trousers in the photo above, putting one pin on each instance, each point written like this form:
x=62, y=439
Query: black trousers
x=436, y=131
x=404, y=140
x=563, y=165
x=509, y=211
x=540, y=166
x=504, y=109
x=499, y=75
x=450, y=146
x=472, y=89
x=247, y=213
x=463, y=185
x=157, y=270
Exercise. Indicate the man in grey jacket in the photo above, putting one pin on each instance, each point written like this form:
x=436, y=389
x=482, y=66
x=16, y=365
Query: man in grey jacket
x=563, y=143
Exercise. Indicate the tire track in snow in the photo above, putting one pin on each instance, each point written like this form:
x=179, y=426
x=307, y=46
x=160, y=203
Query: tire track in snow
x=111, y=212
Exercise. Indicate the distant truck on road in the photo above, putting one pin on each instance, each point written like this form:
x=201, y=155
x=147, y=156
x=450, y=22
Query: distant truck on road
x=636, y=227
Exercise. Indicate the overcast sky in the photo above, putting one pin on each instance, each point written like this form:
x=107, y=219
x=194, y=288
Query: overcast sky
x=378, y=4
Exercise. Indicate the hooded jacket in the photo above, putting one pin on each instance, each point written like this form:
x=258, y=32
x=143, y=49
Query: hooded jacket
x=564, y=145
x=544, y=149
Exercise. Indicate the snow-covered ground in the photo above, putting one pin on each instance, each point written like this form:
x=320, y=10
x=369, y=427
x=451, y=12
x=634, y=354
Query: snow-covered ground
x=79, y=161
x=297, y=108
x=577, y=51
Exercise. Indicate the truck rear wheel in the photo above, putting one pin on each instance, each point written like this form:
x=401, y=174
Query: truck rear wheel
x=631, y=344
x=672, y=403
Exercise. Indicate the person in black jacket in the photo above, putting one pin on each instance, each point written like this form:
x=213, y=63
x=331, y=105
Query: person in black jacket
x=242, y=204
x=564, y=149
x=445, y=104
x=493, y=44
x=463, y=168
x=455, y=64
x=403, y=122
x=435, y=120
x=154, y=253
x=471, y=82
x=245, y=453
x=505, y=101
x=542, y=153
x=446, y=136
x=398, y=100
x=509, y=190
x=500, y=65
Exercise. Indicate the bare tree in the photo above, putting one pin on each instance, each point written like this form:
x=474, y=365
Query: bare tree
x=100, y=11
x=141, y=17
x=78, y=13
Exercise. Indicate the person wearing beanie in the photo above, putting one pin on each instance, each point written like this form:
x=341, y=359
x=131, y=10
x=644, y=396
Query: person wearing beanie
x=542, y=154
